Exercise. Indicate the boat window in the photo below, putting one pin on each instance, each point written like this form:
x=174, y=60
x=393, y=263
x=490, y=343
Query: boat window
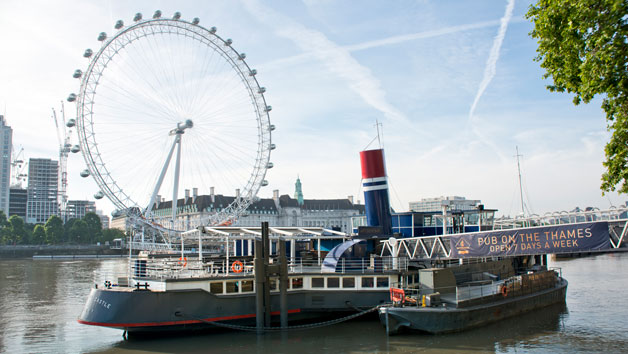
x=318, y=282
x=382, y=282
x=333, y=282
x=348, y=282
x=215, y=288
x=297, y=283
x=247, y=286
x=232, y=287
x=367, y=282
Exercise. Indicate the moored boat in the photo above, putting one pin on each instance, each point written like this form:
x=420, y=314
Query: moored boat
x=452, y=300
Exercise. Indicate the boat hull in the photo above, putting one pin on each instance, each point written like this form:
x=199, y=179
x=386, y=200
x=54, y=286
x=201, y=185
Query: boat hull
x=446, y=320
x=145, y=311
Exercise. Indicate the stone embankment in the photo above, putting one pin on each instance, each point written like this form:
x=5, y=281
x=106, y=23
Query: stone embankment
x=59, y=251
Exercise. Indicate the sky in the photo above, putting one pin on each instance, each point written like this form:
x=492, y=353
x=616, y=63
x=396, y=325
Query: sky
x=453, y=84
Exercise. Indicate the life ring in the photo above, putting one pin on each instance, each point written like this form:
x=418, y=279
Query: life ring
x=184, y=261
x=237, y=267
x=504, y=290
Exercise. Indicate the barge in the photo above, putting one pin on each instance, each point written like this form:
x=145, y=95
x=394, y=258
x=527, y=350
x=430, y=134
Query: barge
x=490, y=292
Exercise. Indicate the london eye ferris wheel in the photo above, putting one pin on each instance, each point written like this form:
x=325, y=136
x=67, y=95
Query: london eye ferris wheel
x=167, y=105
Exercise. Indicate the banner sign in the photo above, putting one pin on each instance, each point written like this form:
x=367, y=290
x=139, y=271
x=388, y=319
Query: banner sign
x=571, y=238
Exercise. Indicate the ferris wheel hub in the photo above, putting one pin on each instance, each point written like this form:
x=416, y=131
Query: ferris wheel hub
x=182, y=126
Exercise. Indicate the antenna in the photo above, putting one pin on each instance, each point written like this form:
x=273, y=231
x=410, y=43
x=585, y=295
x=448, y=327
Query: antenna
x=520, y=187
x=379, y=125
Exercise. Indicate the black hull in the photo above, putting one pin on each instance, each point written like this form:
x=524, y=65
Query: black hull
x=446, y=320
x=148, y=311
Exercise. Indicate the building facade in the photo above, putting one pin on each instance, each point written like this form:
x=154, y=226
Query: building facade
x=76, y=209
x=280, y=210
x=451, y=202
x=6, y=145
x=43, y=190
x=17, y=202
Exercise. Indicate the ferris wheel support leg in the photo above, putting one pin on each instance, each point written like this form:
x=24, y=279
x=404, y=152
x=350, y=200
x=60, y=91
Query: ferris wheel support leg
x=177, y=168
x=149, y=208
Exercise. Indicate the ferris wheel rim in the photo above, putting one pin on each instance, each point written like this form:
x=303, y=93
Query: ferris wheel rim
x=208, y=37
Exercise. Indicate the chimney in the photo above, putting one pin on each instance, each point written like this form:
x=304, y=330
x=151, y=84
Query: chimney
x=276, y=195
x=350, y=199
x=211, y=194
x=187, y=195
x=238, y=193
x=194, y=193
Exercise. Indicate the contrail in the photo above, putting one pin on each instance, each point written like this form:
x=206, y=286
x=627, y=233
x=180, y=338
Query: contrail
x=489, y=72
x=336, y=59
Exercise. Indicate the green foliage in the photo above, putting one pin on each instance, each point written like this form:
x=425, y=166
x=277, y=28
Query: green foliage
x=39, y=235
x=17, y=230
x=583, y=46
x=79, y=232
x=54, y=230
x=109, y=235
x=94, y=227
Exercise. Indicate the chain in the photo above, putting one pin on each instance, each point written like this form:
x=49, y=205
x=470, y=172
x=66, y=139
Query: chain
x=288, y=328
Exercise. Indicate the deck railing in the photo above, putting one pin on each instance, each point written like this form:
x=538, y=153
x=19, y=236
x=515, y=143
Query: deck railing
x=173, y=268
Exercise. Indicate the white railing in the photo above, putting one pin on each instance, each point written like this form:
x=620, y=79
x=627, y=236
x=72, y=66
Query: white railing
x=173, y=268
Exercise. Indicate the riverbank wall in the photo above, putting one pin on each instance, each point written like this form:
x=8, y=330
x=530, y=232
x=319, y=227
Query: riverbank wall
x=59, y=251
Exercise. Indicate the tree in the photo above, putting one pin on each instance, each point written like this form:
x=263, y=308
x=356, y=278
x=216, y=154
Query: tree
x=583, y=48
x=111, y=234
x=54, y=230
x=18, y=232
x=94, y=226
x=39, y=235
x=79, y=232
x=3, y=219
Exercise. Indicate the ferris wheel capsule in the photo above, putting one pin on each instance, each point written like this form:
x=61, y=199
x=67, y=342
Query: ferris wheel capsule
x=228, y=42
x=71, y=122
x=264, y=183
x=99, y=195
x=119, y=24
x=77, y=74
x=213, y=30
x=75, y=149
x=157, y=14
x=137, y=17
x=273, y=146
x=88, y=53
x=252, y=72
x=102, y=36
x=268, y=108
x=195, y=21
x=242, y=56
x=271, y=127
x=177, y=15
x=262, y=90
x=270, y=165
x=85, y=173
x=72, y=97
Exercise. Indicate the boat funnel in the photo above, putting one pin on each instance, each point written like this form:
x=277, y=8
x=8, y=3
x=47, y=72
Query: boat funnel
x=375, y=186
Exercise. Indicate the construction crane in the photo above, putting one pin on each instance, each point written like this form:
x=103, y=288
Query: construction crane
x=63, y=135
x=18, y=167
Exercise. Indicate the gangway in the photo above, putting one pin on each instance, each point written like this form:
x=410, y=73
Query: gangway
x=544, y=234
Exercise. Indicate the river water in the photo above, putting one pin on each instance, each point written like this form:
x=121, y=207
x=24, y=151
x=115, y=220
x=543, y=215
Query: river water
x=41, y=299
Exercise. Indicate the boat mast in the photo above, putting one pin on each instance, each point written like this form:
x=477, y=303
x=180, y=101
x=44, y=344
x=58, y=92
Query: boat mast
x=520, y=188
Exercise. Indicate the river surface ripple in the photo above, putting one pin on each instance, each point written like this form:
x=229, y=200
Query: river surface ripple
x=40, y=301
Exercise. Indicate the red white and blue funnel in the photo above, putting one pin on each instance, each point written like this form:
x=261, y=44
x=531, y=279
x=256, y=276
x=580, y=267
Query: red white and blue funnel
x=375, y=185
